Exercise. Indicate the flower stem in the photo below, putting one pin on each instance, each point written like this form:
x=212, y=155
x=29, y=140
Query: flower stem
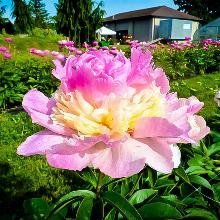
x=99, y=184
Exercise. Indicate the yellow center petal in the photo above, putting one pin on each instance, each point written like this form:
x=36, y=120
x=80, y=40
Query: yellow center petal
x=115, y=117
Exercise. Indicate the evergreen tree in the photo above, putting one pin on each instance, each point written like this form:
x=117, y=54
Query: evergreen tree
x=2, y=11
x=79, y=19
x=21, y=13
x=39, y=13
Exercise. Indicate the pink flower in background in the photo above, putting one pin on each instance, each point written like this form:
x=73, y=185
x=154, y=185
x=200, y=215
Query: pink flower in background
x=95, y=43
x=3, y=49
x=113, y=113
x=93, y=48
x=78, y=52
x=113, y=51
x=7, y=55
x=60, y=57
x=85, y=45
x=8, y=40
x=32, y=50
x=105, y=48
x=187, y=38
x=71, y=49
x=54, y=53
x=63, y=43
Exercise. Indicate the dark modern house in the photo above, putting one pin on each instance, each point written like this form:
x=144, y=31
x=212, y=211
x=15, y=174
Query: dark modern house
x=153, y=23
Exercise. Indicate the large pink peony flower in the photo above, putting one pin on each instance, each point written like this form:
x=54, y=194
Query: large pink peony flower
x=113, y=113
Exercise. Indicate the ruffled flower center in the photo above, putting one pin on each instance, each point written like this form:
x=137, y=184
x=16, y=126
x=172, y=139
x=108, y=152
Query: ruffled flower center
x=115, y=117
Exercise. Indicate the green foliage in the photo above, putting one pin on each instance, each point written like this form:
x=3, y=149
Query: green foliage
x=21, y=13
x=24, y=74
x=39, y=13
x=27, y=177
x=194, y=61
x=204, y=88
x=206, y=10
x=79, y=19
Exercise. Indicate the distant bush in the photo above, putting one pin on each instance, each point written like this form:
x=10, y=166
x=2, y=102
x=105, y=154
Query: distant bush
x=18, y=76
x=188, y=62
x=46, y=33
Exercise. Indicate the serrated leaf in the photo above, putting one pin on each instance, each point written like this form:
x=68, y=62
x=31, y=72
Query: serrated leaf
x=158, y=210
x=85, y=209
x=141, y=195
x=122, y=205
x=200, y=181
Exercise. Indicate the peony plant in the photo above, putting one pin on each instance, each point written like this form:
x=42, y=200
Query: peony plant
x=113, y=114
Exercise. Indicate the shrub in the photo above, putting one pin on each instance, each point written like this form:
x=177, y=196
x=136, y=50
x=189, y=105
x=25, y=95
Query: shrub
x=189, y=61
x=20, y=75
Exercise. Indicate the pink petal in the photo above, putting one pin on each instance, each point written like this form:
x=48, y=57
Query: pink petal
x=59, y=71
x=76, y=161
x=161, y=80
x=130, y=157
x=201, y=130
x=40, y=143
x=47, y=142
x=39, y=107
x=143, y=72
x=155, y=127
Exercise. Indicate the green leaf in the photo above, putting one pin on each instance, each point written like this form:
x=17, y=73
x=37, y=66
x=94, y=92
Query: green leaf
x=200, y=181
x=193, y=169
x=89, y=176
x=36, y=206
x=197, y=160
x=141, y=195
x=152, y=176
x=125, y=187
x=158, y=210
x=182, y=174
x=198, y=213
x=71, y=198
x=122, y=205
x=214, y=148
x=111, y=215
x=85, y=209
x=215, y=135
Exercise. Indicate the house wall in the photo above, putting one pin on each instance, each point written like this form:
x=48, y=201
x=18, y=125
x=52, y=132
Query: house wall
x=148, y=29
x=195, y=30
x=181, y=29
x=156, y=30
x=143, y=29
x=140, y=29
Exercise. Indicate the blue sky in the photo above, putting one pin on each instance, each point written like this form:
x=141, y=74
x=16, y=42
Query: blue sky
x=111, y=6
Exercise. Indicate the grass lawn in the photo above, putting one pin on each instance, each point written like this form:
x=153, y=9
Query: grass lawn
x=22, y=44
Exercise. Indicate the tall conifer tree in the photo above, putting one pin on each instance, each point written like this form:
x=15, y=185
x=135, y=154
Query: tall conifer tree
x=21, y=13
x=79, y=19
x=39, y=13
